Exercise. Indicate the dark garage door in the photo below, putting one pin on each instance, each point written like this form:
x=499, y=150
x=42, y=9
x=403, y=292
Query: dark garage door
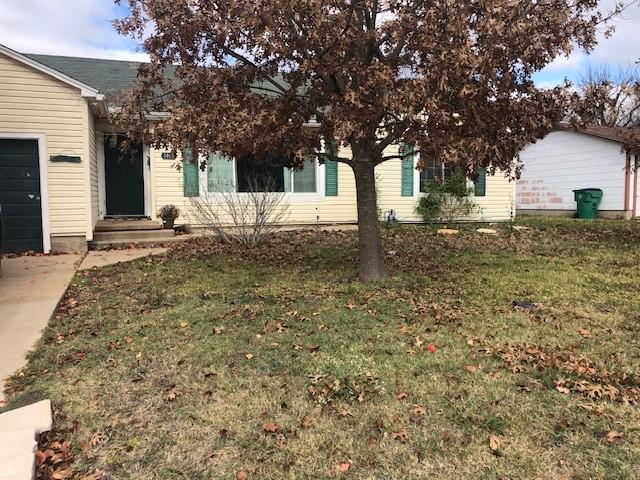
x=20, y=196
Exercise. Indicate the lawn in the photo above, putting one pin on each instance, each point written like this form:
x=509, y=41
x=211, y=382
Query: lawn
x=216, y=362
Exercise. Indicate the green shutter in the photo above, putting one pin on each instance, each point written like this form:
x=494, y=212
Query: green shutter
x=219, y=173
x=406, y=179
x=481, y=183
x=331, y=172
x=190, y=175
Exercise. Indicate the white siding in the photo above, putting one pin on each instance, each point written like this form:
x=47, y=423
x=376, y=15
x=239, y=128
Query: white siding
x=565, y=161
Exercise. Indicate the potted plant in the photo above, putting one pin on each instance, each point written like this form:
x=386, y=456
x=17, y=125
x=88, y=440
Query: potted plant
x=169, y=213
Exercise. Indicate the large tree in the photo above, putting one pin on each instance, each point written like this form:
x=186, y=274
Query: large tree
x=451, y=78
x=609, y=96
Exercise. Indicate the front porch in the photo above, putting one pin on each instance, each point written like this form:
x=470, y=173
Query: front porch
x=118, y=232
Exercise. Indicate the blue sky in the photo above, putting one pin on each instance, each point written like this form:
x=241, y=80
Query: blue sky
x=83, y=28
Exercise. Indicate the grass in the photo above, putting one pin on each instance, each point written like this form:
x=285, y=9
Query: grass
x=276, y=363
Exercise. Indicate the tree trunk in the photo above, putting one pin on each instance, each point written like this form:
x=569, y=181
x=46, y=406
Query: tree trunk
x=370, y=243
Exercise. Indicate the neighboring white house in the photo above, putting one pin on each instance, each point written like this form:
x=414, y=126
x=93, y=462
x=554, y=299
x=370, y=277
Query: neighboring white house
x=567, y=160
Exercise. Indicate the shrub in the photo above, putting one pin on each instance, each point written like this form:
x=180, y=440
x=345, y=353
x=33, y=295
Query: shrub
x=247, y=218
x=447, y=201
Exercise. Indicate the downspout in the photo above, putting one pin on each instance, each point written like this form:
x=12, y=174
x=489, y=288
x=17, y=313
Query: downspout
x=635, y=187
x=627, y=184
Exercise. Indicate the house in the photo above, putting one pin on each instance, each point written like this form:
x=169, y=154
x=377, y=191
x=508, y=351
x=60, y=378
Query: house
x=62, y=172
x=567, y=160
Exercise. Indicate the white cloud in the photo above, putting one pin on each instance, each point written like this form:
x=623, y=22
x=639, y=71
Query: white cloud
x=72, y=27
x=620, y=49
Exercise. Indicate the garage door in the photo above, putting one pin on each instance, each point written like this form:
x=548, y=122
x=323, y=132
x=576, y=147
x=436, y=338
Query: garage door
x=20, y=196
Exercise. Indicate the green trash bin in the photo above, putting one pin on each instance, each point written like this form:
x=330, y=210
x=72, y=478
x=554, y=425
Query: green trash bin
x=588, y=200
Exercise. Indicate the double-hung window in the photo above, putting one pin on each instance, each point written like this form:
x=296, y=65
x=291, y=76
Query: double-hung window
x=434, y=172
x=437, y=172
x=246, y=175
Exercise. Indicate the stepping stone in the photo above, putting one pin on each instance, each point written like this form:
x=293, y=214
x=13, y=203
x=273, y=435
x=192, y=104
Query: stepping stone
x=487, y=231
x=448, y=231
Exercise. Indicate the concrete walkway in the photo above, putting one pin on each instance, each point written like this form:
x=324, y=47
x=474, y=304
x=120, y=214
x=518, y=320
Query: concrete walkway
x=100, y=258
x=30, y=289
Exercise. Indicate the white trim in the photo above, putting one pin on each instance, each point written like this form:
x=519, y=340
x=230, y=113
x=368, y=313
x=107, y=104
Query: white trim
x=102, y=189
x=291, y=197
x=44, y=183
x=146, y=180
x=416, y=179
x=85, y=90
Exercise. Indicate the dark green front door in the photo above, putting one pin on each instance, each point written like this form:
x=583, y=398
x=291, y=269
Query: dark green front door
x=124, y=181
x=20, y=196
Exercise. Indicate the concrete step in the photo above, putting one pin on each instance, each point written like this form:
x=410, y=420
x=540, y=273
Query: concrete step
x=106, y=244
x=122, y=224
x=133, y=235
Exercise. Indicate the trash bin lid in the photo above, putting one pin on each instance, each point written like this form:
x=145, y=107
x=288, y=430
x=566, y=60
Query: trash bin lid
x=594, y=192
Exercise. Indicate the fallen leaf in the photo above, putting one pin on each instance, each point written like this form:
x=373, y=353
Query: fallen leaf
x=494, y=444
x=345, y=467
x=401, y=396
x=306, y=422
x=242, y=475
x=171, y=394
x=270, y=427
x=345, y=412
x=584, y=332
x=40, y=457
x=400, y=435
x=431, y=348
x=419, y=410
x=128, y=339
x=471, y=368
x=184, y=324
x=563, y=389
x=218, y=331
x=612, y=436
x=248, y=356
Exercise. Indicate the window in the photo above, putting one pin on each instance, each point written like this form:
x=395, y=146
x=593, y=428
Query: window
x=435, y=172
x=263, y=177
x=244, y=175
x=301, y=181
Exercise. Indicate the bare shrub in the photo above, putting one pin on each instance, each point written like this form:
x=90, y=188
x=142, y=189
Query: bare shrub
x=248, y=218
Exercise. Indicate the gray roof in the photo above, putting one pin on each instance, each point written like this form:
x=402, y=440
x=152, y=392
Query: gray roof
x=110, y=77
x=113, y=77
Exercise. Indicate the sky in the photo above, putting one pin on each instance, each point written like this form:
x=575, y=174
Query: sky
x=83, y=28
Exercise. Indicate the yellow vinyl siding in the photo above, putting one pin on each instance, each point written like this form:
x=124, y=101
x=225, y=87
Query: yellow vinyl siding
x=168, y=189
x=496, y=205
x=32, y=102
